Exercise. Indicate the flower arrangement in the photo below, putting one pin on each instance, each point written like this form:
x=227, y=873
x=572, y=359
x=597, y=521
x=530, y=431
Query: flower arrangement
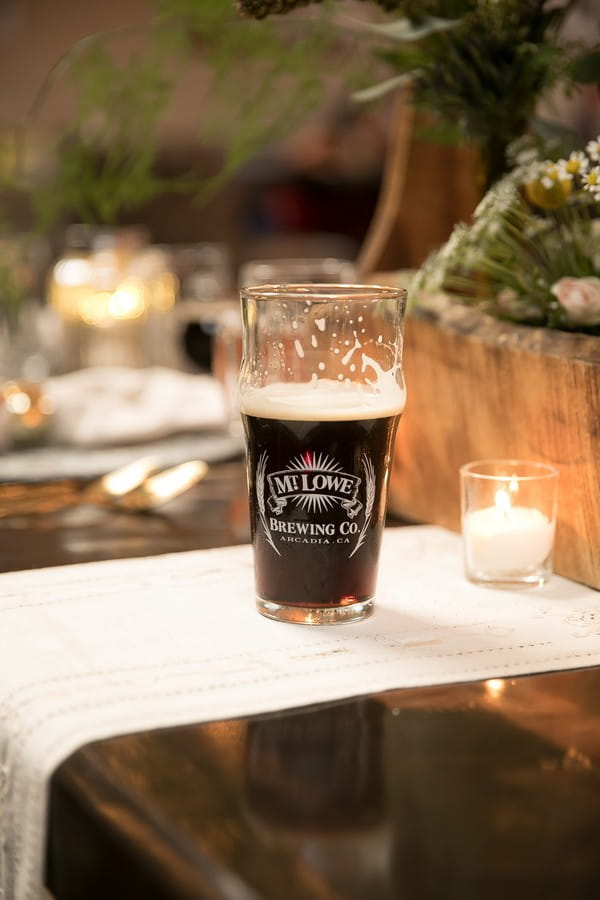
x=532, y=251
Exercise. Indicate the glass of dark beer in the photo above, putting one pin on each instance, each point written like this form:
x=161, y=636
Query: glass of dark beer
x=321, y=394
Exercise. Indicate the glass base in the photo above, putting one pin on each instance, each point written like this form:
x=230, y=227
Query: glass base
x=509, y=582
x=311, y=615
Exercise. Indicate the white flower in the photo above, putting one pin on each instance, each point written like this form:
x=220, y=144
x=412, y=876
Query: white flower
x=576, y=164
x=591, y=181
x=562, y=172
x=498, y=199
x=593, y=149
x=580, y=298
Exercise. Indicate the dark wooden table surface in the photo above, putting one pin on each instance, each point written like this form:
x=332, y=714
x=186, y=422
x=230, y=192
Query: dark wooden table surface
x=484, y=790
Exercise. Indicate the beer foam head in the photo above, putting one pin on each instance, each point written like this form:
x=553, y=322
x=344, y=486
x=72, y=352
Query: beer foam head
x=322, y=399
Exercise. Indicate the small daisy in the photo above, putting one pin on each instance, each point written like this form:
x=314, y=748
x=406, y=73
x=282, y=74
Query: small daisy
x=591, y=180
x=555, y=173
x=593, y=149
x=562, y=170
x=576, y=164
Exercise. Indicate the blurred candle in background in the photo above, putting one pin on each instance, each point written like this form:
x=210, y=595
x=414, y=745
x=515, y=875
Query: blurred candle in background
x=108, y=289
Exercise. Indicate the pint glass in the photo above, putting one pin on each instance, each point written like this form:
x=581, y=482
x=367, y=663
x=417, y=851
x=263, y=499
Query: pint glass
x=321, y=394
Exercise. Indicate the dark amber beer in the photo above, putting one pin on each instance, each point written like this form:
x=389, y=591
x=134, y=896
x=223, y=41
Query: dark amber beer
x=317, y=497
x=318, y=455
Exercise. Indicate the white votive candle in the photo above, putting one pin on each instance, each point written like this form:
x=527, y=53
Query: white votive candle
x=505, y=540
x=508, y=518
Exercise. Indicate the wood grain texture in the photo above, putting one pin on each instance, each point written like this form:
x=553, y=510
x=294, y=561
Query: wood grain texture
x=426, y=189
x=479, y=388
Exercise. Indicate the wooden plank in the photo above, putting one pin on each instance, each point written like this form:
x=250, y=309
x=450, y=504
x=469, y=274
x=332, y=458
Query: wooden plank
x=426, y=189
x=480, y=388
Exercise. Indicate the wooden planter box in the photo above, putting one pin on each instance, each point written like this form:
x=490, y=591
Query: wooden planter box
x=481, y=388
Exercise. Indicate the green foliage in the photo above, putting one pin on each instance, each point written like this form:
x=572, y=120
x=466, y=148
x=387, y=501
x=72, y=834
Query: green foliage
x=269, y=76
x=264, y=77
x=15, y=273
x=585, y=68
x=477, y=67
x=11, y=291
x=484, y=66
x=106, y=156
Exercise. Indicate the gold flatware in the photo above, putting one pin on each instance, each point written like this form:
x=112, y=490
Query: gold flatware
x=115, y=485
x=158, y=489
x=131, y=488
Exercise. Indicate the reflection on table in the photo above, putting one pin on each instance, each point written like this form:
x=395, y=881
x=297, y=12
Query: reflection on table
x=456, y=791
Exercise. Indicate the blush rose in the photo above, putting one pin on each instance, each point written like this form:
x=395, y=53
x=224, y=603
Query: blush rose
x=580, y=298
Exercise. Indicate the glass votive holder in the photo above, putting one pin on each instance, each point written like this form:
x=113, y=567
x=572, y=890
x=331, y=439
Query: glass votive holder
x=508, y=511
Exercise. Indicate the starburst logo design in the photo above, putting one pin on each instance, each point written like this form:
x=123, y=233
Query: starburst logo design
x=315, y=462
x=314, y=482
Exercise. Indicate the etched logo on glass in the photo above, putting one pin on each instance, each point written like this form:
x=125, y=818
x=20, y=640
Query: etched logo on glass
x=315, y=483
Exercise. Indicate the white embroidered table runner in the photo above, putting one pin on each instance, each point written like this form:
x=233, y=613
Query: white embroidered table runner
x=100, y=649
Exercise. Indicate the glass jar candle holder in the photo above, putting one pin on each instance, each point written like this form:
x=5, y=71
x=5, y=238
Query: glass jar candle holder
x=508, y=511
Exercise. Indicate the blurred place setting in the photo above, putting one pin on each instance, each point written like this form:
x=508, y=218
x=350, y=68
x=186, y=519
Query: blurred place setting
x=117, y=348
x=108, y=356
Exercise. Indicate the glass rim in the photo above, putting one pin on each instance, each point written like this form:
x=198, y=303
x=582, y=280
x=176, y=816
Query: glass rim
x=544, y=470
x=323, y=292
